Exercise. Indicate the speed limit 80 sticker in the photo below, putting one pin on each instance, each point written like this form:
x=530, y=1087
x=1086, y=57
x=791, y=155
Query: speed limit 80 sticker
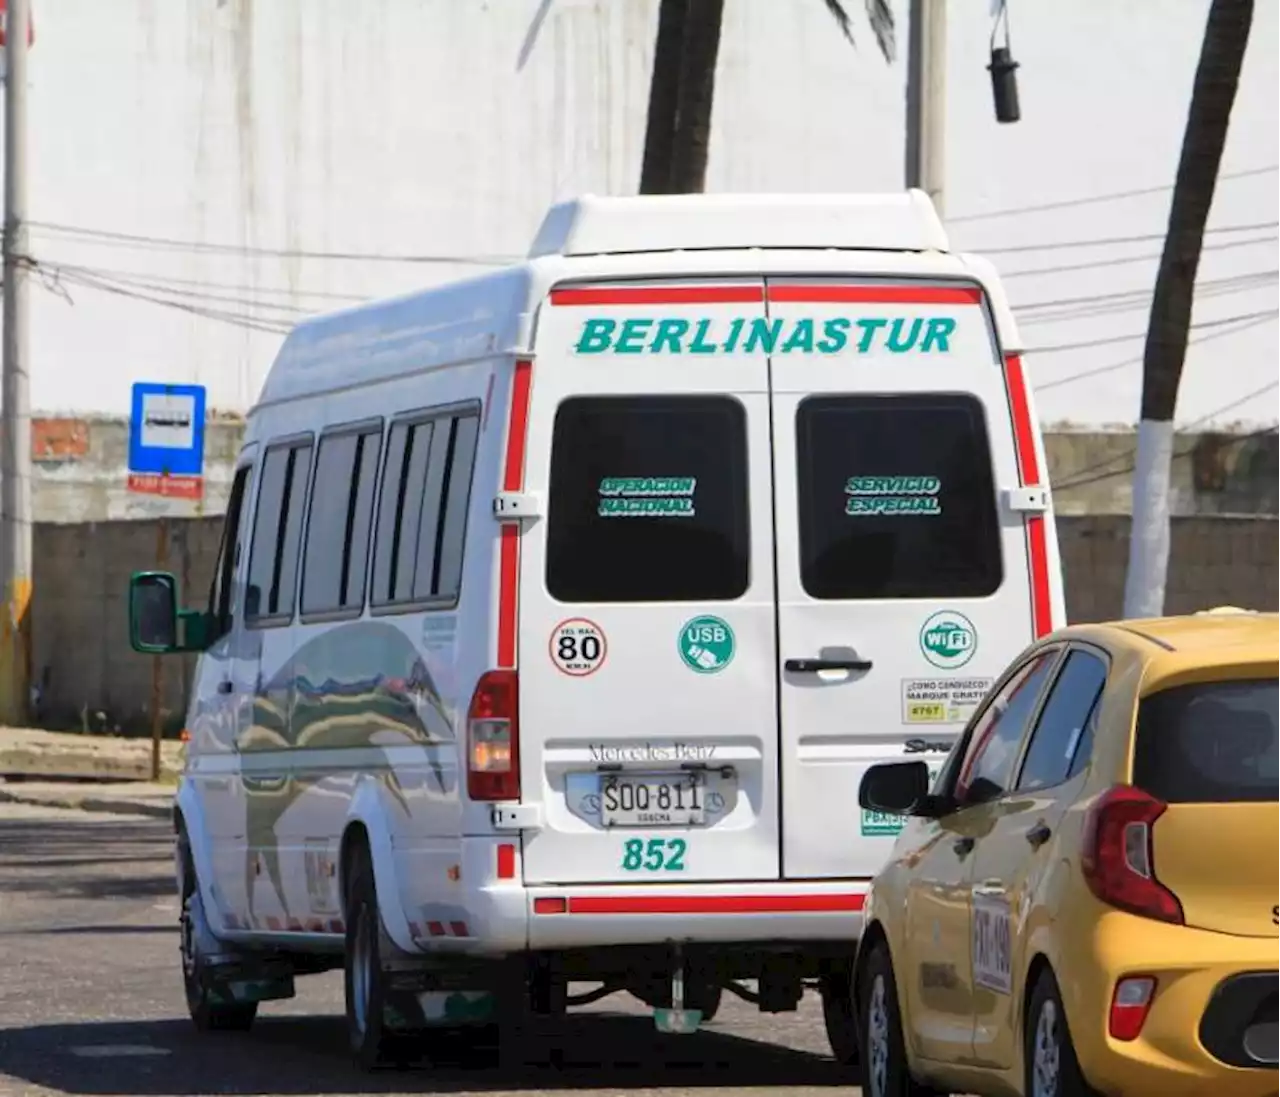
x=578, y=647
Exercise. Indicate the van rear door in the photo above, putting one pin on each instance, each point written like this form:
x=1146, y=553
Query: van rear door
x=903, y=585
x=647, y=628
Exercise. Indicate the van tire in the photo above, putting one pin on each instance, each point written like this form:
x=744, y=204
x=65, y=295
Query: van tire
x=209, y=1010
x=885, y=1071
x=365, y=982
x=1046, y=1035
x=839, y=1014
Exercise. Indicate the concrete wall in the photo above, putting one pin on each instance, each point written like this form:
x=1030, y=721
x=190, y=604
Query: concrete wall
x=85, y=671
x=80, y=472
x=89, y=675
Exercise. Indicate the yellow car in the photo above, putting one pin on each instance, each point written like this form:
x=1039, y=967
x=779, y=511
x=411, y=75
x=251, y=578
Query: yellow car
x=1085, y=900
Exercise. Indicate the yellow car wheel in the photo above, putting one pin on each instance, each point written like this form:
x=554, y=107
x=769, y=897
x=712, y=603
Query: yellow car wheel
x=885, y=1072
x=1050, y=1063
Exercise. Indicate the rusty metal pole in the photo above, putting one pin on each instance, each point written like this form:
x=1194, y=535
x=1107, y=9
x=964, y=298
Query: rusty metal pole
x=157, y=661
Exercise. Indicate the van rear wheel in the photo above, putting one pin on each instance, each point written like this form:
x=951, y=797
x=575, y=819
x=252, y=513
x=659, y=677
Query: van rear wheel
x=839, y=1015
x=372, y=1041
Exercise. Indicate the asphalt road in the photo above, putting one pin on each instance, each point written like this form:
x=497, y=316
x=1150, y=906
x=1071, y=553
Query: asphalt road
x=91, y=1002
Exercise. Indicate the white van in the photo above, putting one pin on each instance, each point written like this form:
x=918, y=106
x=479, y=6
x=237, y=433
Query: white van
x=559, y=612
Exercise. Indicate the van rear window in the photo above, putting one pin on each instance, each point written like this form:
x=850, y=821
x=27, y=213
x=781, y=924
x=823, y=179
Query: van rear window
x=1209, y=743
x=648, y=500
x=896, y=498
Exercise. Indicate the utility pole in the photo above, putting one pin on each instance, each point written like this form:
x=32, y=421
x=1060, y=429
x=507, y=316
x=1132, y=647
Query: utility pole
x=15, y=412
x=926, y=97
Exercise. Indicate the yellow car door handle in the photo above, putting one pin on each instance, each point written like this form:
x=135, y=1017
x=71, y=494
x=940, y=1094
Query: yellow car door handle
x=1038, y=835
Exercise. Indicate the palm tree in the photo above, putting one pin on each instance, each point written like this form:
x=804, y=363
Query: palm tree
x=682, y=87
x=1213, y=94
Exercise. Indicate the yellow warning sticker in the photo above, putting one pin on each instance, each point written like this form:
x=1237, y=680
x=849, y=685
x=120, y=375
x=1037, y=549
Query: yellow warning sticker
x=941, y=700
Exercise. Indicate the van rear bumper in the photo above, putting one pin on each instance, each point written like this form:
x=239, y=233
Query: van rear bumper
x=586, y=917
x=501, y=915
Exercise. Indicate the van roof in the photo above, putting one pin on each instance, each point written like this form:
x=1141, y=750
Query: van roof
x=594, y=225
x=883, y=235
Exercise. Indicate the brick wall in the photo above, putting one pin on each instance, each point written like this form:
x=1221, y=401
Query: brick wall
x=85, y=666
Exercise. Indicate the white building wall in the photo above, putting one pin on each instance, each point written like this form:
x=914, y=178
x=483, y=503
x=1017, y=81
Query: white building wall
x=444, y=128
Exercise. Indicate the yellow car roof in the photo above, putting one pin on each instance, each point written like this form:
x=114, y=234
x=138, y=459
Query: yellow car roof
x=1169, y=646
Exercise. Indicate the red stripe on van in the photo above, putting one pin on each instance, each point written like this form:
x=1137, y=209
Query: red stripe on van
x=879, y=295
x=509, y=544
x=1024, y=438
x=517, y=427
x=657, y=295
x=508, y=595
x=716, y=904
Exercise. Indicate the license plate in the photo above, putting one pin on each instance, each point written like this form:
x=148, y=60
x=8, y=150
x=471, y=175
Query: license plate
x=653, y=800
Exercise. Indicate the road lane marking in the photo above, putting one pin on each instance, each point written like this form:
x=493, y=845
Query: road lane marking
x=117, y=1051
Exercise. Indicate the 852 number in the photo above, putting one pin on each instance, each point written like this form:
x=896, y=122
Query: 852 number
x=655, y=855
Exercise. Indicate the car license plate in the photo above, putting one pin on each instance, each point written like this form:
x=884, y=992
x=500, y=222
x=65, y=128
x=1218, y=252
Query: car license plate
x=653, y=800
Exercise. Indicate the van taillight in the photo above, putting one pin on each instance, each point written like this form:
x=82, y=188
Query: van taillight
x=493, y=737
x=1118, y=858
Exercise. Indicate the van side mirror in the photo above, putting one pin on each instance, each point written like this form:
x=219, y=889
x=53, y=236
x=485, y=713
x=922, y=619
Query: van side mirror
x=894, y=788
x=156, y=625
x=153, y=612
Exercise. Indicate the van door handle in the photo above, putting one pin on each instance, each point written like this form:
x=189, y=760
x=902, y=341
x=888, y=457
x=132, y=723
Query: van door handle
x=812, y=666
x=1038, y=835
x=225, y=686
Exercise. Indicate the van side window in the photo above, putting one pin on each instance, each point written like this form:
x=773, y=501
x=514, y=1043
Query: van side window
x=648, y=500
x=451, y=537
x=340, y=520
x=422, y=512
x=897, y=498
x=277, y=533
x=222, y=601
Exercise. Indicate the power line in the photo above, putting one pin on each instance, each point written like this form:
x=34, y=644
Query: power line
x=1122, y=260
x=128, y=239
x=109, y=237
x=251, y=323
x=1109, y=241
x=1113, y=196
x=1137, y=359
x=62, y=270
x=155, y=279
x=1085, y=344
x=1108, y=304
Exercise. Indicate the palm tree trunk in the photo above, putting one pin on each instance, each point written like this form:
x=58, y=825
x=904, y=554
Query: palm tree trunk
x=664, y=96
x=682, y=86
x=681, y=91
x=1213, y=95
x=697, y=91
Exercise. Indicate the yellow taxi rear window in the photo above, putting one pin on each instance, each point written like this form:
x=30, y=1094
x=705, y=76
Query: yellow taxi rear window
x=1209, y=743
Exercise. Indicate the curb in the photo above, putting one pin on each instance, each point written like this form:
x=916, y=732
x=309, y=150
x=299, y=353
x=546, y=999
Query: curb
x=104, y=805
